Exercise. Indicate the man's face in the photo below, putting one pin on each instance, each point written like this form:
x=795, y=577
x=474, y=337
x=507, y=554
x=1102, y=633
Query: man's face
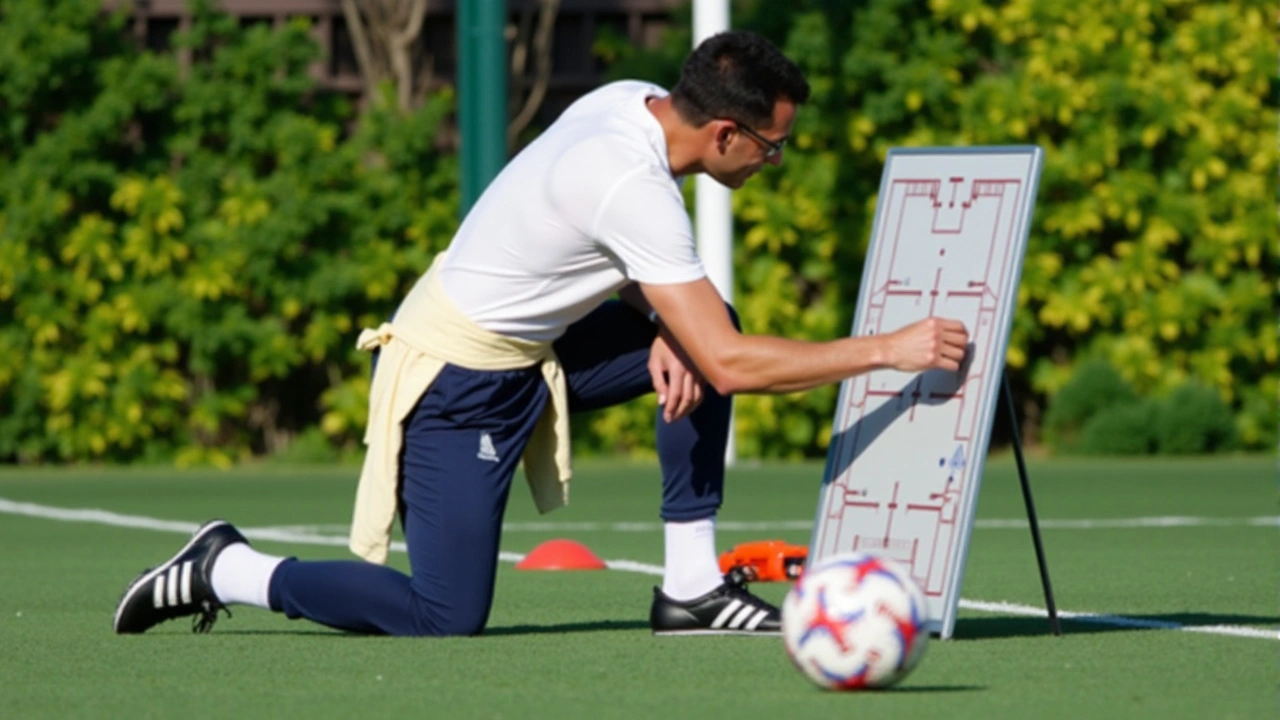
x=738, y=151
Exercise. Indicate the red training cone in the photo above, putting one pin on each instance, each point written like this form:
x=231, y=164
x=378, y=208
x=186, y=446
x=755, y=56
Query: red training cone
x=561, y=555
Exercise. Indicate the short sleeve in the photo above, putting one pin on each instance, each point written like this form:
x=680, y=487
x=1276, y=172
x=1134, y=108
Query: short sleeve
x=643, y=223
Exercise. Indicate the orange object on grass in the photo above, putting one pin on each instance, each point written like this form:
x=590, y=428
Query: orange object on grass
x=561, y=555
x=765, y=560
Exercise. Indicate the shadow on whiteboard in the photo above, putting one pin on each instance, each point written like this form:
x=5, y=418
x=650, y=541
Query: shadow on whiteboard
x=935, y=387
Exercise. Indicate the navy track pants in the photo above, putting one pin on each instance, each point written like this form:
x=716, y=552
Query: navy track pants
x=461, y=447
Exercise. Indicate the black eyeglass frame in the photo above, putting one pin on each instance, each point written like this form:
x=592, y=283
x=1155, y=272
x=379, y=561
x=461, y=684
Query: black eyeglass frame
x=771, y=148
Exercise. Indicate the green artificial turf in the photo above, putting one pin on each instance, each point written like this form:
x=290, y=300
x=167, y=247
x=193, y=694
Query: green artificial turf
x=577, y=644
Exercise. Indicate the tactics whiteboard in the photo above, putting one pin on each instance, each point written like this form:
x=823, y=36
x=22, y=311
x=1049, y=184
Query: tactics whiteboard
x=907, y=450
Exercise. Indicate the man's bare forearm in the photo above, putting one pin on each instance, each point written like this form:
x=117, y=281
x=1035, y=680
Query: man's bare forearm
x=699, y=325
x=767, y=364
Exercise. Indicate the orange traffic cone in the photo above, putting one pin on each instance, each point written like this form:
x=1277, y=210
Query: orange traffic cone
x=561, y=555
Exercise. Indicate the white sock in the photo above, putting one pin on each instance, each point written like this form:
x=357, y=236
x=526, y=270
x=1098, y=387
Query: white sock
x=242, y=576
x=691, y=568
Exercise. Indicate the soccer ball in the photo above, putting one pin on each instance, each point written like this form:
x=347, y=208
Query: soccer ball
x=855, y=621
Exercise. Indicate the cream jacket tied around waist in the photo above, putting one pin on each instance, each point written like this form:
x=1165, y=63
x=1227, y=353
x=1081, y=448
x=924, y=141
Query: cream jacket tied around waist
x=427, y=333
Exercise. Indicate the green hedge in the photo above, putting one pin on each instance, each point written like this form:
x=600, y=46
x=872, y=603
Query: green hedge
x=187, y=255
x=1098, y=412
x=1154, y=243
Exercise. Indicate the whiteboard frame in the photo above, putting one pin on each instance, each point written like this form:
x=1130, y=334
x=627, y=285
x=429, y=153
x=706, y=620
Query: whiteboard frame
x=1019, y=233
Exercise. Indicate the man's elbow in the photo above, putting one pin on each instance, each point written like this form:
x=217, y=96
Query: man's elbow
x=728, y=366
x=727, y=382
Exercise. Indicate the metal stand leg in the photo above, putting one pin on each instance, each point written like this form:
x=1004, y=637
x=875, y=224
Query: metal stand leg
x=1031, y=512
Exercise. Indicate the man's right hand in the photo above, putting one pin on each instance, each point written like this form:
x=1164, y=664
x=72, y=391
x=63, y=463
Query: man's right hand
x=929, y=344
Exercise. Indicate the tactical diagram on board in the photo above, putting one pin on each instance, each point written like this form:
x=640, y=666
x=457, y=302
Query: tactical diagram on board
x=907, y=449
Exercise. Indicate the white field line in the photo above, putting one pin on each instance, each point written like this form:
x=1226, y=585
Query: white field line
x=106, y=517
x=1119, y=621
x=1168, y=521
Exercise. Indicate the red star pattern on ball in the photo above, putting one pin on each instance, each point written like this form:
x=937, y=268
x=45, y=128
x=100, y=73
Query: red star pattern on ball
x=834, y=626
x=907, y=628
x=868, y=567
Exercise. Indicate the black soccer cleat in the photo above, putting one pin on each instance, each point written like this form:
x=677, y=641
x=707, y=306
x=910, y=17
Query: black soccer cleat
x=728, y=610
x=179, y=587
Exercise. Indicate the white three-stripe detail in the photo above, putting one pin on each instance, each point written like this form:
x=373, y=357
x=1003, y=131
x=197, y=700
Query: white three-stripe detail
x=738, y=615
x=186, y=582
x=742, y=615
x=172, y=586
x=759, y=618
x=726, y=613
x=169, y=584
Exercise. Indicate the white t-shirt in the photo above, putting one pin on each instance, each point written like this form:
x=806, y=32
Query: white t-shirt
x=586, y=208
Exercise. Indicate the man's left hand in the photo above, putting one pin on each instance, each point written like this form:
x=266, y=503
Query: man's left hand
x=677, y=382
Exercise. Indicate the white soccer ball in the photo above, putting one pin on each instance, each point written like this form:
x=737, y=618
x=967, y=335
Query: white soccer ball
x=855, y=621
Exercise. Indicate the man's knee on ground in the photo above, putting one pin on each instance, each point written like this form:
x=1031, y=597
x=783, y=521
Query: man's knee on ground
x=462, y=620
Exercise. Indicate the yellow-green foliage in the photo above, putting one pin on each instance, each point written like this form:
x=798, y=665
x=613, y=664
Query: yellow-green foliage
x=1154, y=242
x=186, y=255
x=185, y=259
x=1156, y=235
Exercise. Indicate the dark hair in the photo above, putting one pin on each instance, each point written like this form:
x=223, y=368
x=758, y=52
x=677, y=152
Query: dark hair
x=737, y=75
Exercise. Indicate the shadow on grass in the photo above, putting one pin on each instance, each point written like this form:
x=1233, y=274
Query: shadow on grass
x=909, y=689
x=1007, y=627
x=317, y=632
x=970, y=628
x=559, y=628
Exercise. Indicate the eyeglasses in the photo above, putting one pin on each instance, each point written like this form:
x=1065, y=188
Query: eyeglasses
x=771, y=148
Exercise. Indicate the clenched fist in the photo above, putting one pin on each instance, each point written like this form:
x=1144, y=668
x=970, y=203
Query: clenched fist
x=930, y=344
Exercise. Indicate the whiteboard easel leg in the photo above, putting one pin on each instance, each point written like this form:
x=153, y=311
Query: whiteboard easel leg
x=1031, y=512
